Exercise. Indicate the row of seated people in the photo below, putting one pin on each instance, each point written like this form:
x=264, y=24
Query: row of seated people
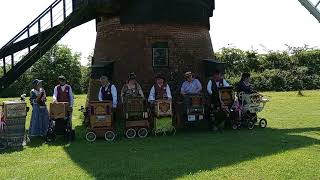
x=161, y=90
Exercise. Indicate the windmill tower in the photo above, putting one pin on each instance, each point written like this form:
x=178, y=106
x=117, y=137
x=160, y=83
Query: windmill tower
x=152, y=36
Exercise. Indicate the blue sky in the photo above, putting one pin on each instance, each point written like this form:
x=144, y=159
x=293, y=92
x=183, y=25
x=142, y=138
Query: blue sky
x=247, y=24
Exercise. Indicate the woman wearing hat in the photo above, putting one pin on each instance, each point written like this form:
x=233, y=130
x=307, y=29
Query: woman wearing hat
x=245, y=85
x=131, y=88
x=40, y=116
x=160, y=90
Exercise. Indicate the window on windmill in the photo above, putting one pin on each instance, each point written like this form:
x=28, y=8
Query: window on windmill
x=160, y=55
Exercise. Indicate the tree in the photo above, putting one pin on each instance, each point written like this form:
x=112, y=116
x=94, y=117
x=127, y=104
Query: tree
x=59, y=61
x=86, y=73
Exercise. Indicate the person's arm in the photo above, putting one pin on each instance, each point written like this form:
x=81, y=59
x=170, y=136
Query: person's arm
x=122, y=93
x=55, y=94
x=140, y=90
x=152, y=94
x=32, y=98
x=209, y=87
x=169, y=92
x=71, y=97
x=100, y=94
x=225, y=83
x=44, y=95
x=199, y=86
x=114, y=96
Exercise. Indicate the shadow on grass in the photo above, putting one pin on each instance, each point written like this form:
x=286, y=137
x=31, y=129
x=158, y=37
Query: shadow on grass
x=172, y=157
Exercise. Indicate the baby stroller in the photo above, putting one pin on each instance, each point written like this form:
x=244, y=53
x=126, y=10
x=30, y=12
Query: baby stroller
x=251, y=105
x=137, y=117
x=101, y=121
x=225, y=110
x=60, y=122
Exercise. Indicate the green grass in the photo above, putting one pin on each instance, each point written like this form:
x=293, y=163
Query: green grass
x=288, y=149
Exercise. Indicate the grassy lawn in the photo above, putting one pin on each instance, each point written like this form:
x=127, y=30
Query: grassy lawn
x=288, y=149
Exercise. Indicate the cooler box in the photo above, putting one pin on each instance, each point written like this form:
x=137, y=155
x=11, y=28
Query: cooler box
x=163, y=108
x=100, y=113
x=14, y=115
x=59, y=110
x=134, y=107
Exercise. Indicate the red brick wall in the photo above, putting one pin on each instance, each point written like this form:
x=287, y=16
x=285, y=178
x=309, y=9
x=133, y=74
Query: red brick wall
x=130, y=46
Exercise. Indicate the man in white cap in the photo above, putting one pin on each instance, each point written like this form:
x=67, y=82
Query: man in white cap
x=191, y=85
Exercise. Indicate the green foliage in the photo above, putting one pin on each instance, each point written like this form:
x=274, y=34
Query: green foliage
x=59, y=61
x=295, y=69
x=86, y=73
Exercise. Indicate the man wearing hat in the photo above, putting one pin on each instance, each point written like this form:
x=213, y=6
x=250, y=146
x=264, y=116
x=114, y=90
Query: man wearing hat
x=63, y=92
x=219, y=109
x=131, y=88
x=191, y=85
x=216, y=82
x=160, y=90
x=108, y=91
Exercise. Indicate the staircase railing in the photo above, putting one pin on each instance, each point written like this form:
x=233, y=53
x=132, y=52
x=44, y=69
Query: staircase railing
x=56, y=13
x=312, y=8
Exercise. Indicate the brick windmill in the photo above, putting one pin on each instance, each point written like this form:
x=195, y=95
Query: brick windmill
x=151, y=36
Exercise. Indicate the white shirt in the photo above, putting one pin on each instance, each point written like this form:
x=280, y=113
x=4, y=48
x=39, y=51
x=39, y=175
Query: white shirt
x=152, y=95
x=209, y=86
x=113, y=93
x=55, y=94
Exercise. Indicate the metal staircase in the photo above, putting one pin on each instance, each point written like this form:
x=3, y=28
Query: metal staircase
x=23, y=50
x=314, y=9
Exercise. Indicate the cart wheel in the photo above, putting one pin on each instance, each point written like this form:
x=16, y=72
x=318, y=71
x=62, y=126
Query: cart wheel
x=250, y=125
x=235, y=126
x=109, y=136
x=156, y=132
x=164, y=131
x=142, y=132
x=91, y=136
x=173, y=131
x=131, y=133
x=51, y=137
x=263, y=123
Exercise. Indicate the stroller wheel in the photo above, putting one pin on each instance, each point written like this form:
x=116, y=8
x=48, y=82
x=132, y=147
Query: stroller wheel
x=263, y=123
x=250, y=125
x=109, y=136
x=50, y=137
x=91, y=136
x=142, y=133
x=131, y=133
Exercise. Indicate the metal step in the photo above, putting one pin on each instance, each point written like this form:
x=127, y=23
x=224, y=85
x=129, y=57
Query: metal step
x=312, y=8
